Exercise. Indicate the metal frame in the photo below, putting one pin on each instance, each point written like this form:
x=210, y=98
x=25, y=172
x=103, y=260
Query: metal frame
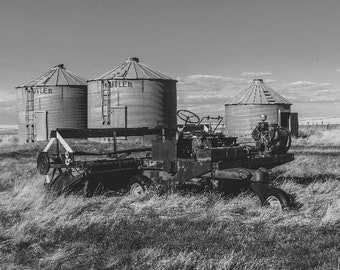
x=59, y=136
x=108, y=132
x=227, y=163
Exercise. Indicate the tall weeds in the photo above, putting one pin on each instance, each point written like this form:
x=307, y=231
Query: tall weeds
x=39, y=230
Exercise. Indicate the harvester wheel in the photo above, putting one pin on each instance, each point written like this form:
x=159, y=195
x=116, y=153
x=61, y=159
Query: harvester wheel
x=43, y=163
x=138, y=185
x=276, y=199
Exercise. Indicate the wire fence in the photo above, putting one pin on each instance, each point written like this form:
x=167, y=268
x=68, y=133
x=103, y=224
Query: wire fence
x=320, y=126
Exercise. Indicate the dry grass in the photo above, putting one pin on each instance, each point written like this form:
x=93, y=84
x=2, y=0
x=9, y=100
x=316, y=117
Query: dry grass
x=202, y=231
x=8, y=139
x=319, y=138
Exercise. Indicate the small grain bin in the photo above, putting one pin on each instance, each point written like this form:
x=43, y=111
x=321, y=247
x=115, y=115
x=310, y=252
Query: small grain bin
x=243, y=113
x=132, y=95
x=56, y=99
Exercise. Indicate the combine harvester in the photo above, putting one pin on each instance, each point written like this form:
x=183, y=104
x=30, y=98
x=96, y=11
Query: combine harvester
x=176, y=158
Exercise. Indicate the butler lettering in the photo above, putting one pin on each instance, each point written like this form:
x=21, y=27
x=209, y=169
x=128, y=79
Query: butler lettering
x=120, y=84
x=42, y=90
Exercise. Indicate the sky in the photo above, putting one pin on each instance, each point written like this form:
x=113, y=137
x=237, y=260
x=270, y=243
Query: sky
x=213, y=48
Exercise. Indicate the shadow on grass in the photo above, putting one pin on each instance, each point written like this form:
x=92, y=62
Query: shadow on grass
x=317, y=153
x=176, y=244
x=315, y=147
x=280, y=178
x=19, y=154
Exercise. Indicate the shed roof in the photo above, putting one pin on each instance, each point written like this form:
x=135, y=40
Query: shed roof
x=57, y=76
x=132, y=69
x=259, y=93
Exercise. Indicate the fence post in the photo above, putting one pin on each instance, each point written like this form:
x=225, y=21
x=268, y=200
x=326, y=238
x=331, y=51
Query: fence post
x=114, y=141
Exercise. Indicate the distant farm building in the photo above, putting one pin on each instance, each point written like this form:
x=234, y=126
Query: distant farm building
x=56, y=99
x=243, y=113
x=132, y=95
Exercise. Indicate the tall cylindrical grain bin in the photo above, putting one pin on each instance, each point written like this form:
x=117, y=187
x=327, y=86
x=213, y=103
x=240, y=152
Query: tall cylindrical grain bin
x=56, y=99
x=132, y=95
x=243, y=113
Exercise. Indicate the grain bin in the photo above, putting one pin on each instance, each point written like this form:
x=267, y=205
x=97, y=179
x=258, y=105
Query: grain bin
x=132, y=95
x=243, y=113
x=56, y=99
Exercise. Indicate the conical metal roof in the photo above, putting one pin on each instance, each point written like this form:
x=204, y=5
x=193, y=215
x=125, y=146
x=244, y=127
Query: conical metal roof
x=259, y=93
x=57, y=76
x=132, y=69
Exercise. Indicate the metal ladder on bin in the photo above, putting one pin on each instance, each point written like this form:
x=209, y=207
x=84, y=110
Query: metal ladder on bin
x=106, y=102
x=29, y=115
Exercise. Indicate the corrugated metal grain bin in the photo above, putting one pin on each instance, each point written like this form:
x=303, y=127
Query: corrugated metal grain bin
x=243, y=113
x=56, y=99
x=132, y=95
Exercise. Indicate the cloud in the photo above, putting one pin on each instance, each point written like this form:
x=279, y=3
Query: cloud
x=311, y=92
x=269, y=81
x=207, y=94
x=256, y=74
x=307, y=83
x=7, y=93
x=317, y=109
x=8, y=112
x=208, y=82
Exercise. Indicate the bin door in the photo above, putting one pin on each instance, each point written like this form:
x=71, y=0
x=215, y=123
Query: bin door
x=119, y=116
x=284, y=119
x=294, y=124
x=40, y=125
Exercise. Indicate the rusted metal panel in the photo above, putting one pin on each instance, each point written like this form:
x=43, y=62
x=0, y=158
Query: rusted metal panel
x=267, y=162
x=227, y=153
x=177, y=171
x=112, y=165
x=233, y=174
x=188, y=169
x=109, y=132
x=164, y=150
x=203, y=155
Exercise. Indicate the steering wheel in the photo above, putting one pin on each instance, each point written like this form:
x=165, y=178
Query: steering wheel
x=188, y=116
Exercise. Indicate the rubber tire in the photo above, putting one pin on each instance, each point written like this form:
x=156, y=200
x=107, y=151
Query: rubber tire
x=43, y=163
x=279, y=195
x=138, y=184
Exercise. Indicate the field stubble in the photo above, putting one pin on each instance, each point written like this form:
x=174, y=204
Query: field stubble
x=204, y=231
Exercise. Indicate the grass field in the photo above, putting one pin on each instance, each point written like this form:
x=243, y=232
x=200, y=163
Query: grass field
x=204, y=231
